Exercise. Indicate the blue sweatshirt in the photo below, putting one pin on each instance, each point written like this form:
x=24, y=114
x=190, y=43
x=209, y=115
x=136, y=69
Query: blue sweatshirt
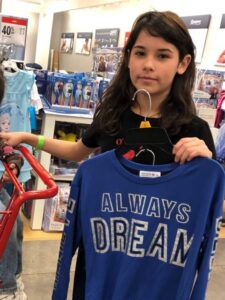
x=149, y=232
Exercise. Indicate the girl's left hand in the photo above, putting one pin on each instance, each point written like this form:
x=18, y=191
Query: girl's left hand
x=188, y=148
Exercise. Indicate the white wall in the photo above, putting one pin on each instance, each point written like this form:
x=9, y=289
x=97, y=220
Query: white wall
x=193, y=7
x=101, y=14
x=115, y=15
x=121, y=15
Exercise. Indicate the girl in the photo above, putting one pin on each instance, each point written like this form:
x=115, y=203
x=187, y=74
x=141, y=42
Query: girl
x=158, y=57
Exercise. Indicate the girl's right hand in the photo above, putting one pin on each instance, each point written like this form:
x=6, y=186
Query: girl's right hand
x=12, y=138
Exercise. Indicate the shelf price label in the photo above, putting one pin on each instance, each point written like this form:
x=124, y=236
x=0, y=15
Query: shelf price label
x=13, y=30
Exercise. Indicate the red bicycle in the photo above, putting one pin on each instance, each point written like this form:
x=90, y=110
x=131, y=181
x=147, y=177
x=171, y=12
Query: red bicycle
x=19, y=195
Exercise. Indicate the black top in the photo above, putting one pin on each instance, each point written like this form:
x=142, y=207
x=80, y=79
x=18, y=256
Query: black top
x=199, y=128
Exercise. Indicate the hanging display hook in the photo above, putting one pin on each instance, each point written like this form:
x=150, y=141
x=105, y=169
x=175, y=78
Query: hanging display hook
x=149, y=98
x=144, y=123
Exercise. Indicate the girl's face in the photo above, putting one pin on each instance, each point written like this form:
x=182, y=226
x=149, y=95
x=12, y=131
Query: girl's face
x=5, y=123
x=153, y=63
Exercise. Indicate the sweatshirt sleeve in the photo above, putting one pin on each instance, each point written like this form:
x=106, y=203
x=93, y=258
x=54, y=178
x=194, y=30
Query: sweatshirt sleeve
x=69, y=242
x=209, y=244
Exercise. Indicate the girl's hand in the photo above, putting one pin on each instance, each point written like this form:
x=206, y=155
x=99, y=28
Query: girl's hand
x=188, y=148
x=11, y=138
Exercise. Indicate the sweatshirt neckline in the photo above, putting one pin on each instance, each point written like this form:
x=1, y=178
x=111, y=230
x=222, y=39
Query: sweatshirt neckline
x=122, y=165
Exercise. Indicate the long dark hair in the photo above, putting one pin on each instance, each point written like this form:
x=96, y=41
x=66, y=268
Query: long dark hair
x=178, y=108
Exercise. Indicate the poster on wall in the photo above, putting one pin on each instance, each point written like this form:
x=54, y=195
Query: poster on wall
x=220, y=43
x=66, y=42
x=208, y=85
x=198, y=28
x=83, y=43
x=13, y=34
x=107, y=59
x=106, y=38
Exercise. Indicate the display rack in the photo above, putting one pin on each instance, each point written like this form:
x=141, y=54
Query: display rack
x=47, y=129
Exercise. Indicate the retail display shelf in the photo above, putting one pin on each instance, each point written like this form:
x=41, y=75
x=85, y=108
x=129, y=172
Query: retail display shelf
x=65, y=110
x=63, y=177
x=47, y=129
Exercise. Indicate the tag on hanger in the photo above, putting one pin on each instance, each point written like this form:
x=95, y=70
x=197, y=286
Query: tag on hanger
x=145, y=124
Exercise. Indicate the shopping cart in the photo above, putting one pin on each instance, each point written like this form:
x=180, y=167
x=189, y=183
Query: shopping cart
x=19, y=195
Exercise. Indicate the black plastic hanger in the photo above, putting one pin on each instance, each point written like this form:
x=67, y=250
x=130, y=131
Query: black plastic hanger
x=147, y=141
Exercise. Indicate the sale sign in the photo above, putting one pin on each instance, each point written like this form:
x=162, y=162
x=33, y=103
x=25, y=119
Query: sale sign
x=13, y=32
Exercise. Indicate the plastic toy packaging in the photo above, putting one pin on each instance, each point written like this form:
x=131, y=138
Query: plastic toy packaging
x=57, y=91
x=87, y=94
x=68, y=93
x=77, y=90
x=78, y=93
x=61, y=88
x=103, y=85
x=55, y=209
x=220, y=144
x=41, y=80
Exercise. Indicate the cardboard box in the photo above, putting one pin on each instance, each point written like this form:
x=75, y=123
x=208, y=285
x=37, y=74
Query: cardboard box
x=55, y=209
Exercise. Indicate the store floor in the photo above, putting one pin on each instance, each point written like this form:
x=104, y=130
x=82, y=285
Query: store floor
x=40, y=253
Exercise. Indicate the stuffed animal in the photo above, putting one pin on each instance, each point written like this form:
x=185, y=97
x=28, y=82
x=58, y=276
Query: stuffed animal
x=71, y=137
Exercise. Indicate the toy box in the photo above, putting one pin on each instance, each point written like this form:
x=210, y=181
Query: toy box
x=55, y=209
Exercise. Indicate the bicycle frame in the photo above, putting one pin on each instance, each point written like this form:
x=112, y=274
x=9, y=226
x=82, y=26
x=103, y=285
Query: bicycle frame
x=19, y=195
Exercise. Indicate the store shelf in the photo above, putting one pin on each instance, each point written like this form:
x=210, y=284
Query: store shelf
x=48, y=126
x=63, y=177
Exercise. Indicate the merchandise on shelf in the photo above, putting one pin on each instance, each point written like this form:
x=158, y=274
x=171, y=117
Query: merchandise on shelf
x=55, y=209
x=68, y=132
x=76, y=90
x=41, y=80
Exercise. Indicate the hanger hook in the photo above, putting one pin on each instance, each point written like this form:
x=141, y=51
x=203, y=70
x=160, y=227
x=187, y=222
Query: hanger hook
x=150, y=151
x=149, y=98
